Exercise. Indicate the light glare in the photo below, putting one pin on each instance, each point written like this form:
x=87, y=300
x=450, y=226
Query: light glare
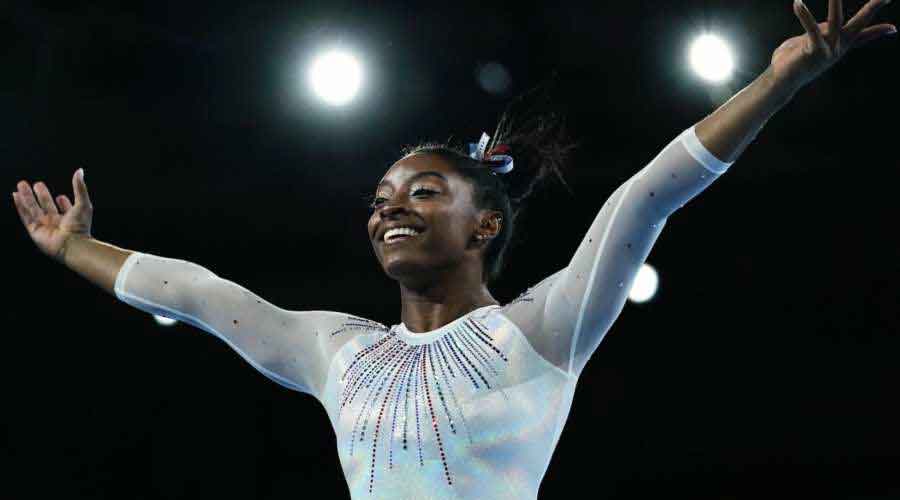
x=164, y=321
x=335, y=77
x=645, y=284
x=711, y=58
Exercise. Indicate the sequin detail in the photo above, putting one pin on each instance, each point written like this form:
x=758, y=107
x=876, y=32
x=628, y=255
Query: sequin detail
x=357, y=323
x=390, y=376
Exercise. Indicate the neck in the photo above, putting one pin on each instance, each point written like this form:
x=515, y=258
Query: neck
x=429, y=306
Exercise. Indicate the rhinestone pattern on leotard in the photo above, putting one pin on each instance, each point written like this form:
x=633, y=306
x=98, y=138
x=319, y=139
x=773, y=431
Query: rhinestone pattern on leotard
x=391, y=369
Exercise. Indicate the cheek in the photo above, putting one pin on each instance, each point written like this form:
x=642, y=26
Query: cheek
x=451, y=232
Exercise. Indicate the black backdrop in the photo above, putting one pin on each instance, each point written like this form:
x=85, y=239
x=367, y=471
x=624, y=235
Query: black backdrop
x=765, y=367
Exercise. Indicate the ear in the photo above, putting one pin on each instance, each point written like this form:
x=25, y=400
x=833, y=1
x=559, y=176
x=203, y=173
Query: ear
x=491, y=223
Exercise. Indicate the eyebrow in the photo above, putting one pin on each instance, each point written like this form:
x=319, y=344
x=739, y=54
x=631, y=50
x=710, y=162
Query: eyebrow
x=416, y=176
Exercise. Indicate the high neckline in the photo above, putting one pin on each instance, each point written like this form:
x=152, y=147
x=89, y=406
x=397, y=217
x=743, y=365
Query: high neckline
x=414, y=338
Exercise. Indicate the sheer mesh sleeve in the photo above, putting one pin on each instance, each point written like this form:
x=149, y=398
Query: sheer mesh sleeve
x=293, y=348
x=567, y=314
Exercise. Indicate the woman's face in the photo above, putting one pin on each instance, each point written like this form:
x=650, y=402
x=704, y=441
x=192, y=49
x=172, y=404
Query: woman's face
x=424, y=192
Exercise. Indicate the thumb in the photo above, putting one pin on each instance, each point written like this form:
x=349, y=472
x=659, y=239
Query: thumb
x=80, y=189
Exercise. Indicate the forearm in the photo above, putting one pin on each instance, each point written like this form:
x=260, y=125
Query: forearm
x=735, y=124
x=94, y=260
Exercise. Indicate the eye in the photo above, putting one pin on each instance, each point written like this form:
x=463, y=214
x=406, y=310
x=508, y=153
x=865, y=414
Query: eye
x=378, y=200
x=375, y=202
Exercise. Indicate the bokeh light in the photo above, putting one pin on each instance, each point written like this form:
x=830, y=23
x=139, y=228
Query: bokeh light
x=493, y=78
x=335, y=76
x=645, y=284
x=711, y=58
x=164, y=321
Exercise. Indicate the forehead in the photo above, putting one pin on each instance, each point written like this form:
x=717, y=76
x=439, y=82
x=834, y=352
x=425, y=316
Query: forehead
x=419, y=166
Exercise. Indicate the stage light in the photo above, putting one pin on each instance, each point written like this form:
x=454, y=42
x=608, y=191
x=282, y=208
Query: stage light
x=164, y=321
x=645, y=284
x=335, y=76
x=711, y=59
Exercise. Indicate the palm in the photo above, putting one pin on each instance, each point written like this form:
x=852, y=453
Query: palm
x=48, y=231
x=48, y=226
x=803, y=58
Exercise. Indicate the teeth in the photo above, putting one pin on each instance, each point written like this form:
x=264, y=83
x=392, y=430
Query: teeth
x=399, y=230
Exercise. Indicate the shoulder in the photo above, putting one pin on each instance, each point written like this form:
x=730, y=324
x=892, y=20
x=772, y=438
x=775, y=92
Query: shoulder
x=335, y=324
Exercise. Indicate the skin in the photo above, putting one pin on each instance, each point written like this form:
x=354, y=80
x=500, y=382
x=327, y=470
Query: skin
x=795, y=63
x=440, y=275
x=440, y=270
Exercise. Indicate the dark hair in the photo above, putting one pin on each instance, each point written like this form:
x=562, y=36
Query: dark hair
x=537, y=141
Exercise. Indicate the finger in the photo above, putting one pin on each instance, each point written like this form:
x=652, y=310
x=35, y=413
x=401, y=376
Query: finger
x=835, y=18
x=24, y=215
x=26, y=198
x=45, y=198
x=862, y=18
x=811, y=26
x=873, y=32
x=64, y=204
x=80, y=188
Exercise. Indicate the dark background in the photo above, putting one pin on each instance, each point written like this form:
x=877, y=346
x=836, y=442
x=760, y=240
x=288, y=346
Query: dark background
x=766, y=366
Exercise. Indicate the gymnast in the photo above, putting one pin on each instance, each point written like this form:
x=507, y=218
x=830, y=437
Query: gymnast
x=466, y=397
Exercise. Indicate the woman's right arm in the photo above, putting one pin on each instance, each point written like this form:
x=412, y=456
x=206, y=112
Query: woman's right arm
x=94, y=260
x=293, y=348
x=61, y=230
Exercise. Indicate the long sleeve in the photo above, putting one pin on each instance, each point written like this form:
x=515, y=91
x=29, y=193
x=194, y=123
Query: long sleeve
x=293, y=348
x=567, y=314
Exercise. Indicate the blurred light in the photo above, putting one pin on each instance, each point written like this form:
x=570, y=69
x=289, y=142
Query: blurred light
x=493, y=78
x=645, y=284
x=164, y=321
x=335, y=77
x=711, y=58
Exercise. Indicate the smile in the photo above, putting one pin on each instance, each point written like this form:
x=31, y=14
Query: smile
x=401, y=238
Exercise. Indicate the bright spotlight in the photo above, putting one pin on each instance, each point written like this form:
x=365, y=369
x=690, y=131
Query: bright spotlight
x=711, y=58
x=164, y=321
x=335, y=77
x=645, y=284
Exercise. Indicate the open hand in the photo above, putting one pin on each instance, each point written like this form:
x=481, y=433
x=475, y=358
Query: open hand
x=48, y=227
x=801, y=59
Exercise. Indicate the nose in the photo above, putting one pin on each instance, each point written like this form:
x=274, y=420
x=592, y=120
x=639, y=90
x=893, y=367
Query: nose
x=388, y=210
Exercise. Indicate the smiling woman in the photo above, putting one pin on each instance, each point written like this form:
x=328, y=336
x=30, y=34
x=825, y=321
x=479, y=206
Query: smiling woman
x=464, y=387
x=464, y=398
x=474, y=207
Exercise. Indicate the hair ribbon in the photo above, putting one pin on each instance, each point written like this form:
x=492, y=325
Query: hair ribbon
x=496, y=158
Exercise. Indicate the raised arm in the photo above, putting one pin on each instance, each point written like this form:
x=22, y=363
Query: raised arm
x=293, y=348
x=63, y=232
x=567, y=314
x=795, y=63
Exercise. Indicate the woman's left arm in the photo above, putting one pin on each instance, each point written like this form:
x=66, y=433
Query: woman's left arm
x=566, y=315
x=795, y=63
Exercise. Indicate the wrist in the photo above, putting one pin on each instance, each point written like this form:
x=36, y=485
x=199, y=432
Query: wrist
x=775, y=90
x=67, y=244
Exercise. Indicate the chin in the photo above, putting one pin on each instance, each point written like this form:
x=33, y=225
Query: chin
x=399, y=269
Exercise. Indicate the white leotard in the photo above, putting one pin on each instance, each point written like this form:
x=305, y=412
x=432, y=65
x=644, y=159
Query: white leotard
x=474, y=409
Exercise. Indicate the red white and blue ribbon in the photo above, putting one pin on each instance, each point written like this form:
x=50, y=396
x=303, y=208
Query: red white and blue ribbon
x=497, y=158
